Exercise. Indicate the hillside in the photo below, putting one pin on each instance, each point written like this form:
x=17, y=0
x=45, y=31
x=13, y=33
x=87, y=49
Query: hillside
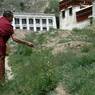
x=62, y=63
x=24, y=5
x=27, y=5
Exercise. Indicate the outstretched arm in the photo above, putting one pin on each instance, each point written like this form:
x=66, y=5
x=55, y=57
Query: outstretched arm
x=21, y=41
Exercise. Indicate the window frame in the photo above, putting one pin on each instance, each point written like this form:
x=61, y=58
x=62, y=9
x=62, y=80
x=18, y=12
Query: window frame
x=25, y=21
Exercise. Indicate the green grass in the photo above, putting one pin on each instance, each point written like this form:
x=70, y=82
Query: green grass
x=86, y=34
x=78, y=72
x=38, y=72
x=34, y=69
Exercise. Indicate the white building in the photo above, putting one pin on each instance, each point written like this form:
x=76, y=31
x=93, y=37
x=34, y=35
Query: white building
x=93, y=15
x=34, y=21
x=74, y=14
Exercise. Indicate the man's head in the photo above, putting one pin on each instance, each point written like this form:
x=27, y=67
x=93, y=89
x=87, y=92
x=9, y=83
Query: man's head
x=8, y=15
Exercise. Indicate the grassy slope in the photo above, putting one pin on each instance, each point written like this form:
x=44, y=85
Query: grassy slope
x=59, y=57
x=28, y=5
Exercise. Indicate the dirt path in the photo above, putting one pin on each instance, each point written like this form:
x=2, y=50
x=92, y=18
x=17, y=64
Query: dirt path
x=8, y=70
x=60, y=90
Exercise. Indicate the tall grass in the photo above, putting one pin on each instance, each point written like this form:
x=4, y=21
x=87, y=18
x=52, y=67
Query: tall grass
x=35, y=72
x=38, y=72
x=86, y=34
x=78, y=72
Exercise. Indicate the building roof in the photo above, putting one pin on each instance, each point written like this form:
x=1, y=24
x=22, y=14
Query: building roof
x=32, y=14
x=81, y=14
x=66, y=3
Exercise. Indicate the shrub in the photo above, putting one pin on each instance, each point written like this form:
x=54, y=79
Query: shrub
x=85, y=49
x=34, y=70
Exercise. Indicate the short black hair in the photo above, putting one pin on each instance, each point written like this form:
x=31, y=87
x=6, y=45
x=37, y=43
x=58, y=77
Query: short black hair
x=8, y=13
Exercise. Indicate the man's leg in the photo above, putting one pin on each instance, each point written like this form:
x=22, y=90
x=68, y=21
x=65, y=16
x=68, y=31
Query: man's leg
x=2, y=68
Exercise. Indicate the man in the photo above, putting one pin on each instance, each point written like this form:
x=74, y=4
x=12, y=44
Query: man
x=6, y=31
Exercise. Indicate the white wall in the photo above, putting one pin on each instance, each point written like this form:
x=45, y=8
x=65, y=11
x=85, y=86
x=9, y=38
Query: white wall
x=93, y=9
x=82, y=24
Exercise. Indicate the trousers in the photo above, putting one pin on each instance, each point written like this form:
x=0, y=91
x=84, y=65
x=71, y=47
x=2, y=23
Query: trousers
x=2, y=61
x=2, y=67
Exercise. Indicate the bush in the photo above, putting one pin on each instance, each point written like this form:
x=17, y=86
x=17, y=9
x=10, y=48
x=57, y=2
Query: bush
x=78, y=72
x=85, y=49
x=34, y=70
x=37, y=71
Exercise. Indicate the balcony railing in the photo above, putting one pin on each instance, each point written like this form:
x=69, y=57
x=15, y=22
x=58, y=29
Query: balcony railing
x=83, y=14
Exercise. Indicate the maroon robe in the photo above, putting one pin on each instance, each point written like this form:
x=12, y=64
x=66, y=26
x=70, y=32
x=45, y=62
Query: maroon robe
x=6, y=30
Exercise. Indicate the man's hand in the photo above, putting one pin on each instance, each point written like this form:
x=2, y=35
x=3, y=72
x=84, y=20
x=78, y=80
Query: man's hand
x=30, y=44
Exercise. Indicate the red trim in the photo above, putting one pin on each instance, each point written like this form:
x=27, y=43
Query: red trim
x=83, y=14
x=66, y=3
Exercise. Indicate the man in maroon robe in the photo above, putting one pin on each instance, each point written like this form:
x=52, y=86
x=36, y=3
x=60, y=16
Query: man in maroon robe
x=6, y=31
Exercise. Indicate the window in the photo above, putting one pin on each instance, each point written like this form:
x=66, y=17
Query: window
x=45, y=28
x=63, y=14
x=30, y=21
x=38, y=28
x=50, y=21
x=23, y=21
x=24, y=27
x=37, y=21
x=17, y=21
x=17, y=27
x=32, y=28
x=43, y=21
x=70, y=11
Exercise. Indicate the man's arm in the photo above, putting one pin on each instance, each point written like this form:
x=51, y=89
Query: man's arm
x=21, y=41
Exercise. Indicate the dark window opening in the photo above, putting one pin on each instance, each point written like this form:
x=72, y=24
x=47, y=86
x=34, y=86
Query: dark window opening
x=44, y=28
x=32, y=28
x=30, y=21
x=70, y=11
x=38, y=28
x=37, y=21
x=24, y=27
x=63, y=14
x=16, y=20
x=17, y=27
x=43, y=21
x=50, y=21
x=23, y=21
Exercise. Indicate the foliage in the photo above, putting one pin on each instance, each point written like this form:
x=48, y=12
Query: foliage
x=22, y=6
x=53, y=7
x=85, y=48
x=78, y=72
x=38, y=72
x=34, y=70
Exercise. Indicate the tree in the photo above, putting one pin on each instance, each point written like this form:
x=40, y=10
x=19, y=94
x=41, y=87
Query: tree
x=53, y=7
x=22, y=6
